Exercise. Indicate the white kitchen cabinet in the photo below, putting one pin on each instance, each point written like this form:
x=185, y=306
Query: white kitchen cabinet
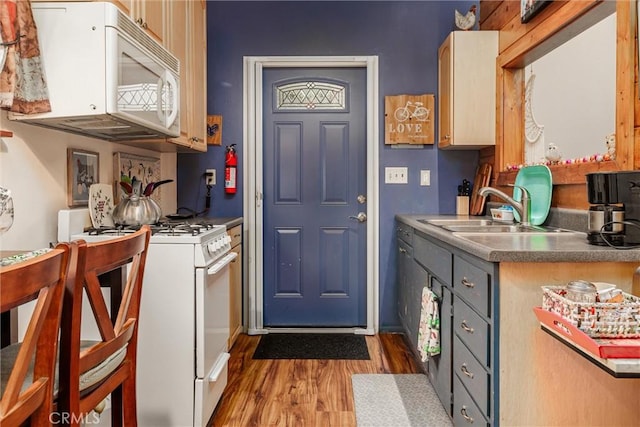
x=189, y=44
x=467, y=90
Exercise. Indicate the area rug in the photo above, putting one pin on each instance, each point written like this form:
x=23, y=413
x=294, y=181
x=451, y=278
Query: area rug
x=312, y=346
x=397, y=400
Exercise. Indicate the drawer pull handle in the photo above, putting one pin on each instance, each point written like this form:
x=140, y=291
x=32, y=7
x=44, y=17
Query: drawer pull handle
x=467, y=283
x=466, y=327
x=465, y=371
x=463, y=411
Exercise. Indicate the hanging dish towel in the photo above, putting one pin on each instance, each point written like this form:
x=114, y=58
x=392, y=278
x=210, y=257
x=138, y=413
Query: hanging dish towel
x=429, y=328
x=23, y=87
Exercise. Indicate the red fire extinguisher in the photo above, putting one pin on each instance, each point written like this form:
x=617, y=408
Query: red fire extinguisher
x=231, y=166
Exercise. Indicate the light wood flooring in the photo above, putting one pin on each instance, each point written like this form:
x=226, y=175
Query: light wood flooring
x=301, y=393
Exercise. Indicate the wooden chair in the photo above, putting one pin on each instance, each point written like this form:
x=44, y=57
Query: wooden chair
x=92, y=370
x=28, y=368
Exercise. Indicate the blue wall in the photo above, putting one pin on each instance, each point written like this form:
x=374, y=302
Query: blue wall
x=404, y=35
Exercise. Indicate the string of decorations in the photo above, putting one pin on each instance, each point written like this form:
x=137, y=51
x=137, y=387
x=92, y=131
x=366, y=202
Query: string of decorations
x=553, y=156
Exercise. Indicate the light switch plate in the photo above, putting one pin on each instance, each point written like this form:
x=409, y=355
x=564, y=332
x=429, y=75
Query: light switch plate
x=425, y=177
x=396, y=175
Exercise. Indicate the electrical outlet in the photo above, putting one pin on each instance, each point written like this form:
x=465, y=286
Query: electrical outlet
x=395, y=175
x=425, y=177
x=210, y=176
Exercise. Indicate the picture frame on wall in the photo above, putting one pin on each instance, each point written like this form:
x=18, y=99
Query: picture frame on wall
x=82, y=171
x=530, y=8
x=146, y=169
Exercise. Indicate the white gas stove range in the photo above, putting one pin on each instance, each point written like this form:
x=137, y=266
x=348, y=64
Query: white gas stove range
x=184, y=317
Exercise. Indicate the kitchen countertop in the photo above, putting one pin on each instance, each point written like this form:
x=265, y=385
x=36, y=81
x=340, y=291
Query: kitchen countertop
x=229, y=222
x=505, y=247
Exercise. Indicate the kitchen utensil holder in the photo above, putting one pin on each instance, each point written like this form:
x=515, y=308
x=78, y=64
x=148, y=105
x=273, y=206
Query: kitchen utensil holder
x=462, y=205
x=598, y=320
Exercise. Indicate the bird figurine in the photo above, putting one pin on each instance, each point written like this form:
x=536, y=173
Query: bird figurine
x=466, y=22
x=553, y=153
x=610, y=141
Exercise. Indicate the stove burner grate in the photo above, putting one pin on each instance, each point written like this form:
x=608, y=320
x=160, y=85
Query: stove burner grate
x=165, y=228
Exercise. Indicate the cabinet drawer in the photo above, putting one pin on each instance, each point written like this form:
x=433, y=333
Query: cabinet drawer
x=433, y=257
x=472, y=330
x=472, y=284
x=404, y=232
x=236, y=235
x=465, y=411
x=472, y=374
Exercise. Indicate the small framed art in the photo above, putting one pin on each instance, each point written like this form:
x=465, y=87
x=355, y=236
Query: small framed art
x=530, y=8
x=82, y=171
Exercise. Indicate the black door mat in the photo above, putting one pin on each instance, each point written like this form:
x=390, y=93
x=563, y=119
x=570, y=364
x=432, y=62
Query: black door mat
x=312, y=346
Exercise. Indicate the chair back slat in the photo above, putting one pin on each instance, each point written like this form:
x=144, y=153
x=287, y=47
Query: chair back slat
x=98, y=305
x=27, y=349
x=43, y=279
x=128, y=296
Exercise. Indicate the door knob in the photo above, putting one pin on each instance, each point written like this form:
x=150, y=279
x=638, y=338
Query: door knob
x=361, y=217
x=361, y=199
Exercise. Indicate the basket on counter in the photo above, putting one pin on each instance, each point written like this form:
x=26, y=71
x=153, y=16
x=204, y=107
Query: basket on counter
x=599, y=319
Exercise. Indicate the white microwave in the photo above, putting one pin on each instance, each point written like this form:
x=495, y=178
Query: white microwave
x=107, y=78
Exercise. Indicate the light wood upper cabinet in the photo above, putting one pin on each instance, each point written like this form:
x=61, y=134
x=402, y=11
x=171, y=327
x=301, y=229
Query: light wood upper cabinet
x=177, y=44
x=467, y=90
x=189, y=44
x=197, y=49
x=148, y=14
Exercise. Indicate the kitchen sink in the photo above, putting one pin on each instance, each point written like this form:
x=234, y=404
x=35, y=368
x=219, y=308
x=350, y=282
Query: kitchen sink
x=513, y=228
x=488, y=226
x=464, y=222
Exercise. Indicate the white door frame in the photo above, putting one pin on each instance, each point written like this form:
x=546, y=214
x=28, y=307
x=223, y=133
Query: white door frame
x=252, y=177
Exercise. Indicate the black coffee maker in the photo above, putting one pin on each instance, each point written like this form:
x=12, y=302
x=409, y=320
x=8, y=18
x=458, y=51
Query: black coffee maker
x=614, y=215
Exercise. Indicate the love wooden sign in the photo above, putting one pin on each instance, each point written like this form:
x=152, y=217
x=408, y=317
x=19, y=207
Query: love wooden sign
x=408, y=119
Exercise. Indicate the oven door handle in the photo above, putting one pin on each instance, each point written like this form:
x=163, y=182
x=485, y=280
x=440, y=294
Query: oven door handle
x=217, y=369
x=215, y=268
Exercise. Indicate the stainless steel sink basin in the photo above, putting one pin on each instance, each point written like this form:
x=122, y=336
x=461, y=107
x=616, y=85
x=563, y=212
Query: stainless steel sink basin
x=515, y=228
x=487, y=226
x=466, y=222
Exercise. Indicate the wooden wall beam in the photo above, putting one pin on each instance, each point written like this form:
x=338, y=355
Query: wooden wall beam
x=625, y=84
x=521, y=44
x=497, y=15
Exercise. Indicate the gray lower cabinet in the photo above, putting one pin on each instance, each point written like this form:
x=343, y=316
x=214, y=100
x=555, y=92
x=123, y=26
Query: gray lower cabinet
x=406, y=303
x=464, y=375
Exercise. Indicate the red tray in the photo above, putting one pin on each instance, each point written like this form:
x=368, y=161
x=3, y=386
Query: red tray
x=606, y=348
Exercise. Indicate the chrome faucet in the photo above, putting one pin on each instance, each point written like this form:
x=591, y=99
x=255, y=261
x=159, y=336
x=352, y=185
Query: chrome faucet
x=523, y=207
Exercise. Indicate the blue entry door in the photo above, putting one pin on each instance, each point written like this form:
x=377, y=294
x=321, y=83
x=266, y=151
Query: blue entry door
x=314, y=164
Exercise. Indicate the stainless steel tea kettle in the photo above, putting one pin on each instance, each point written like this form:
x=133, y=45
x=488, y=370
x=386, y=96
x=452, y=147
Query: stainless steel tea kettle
x=136, y=209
